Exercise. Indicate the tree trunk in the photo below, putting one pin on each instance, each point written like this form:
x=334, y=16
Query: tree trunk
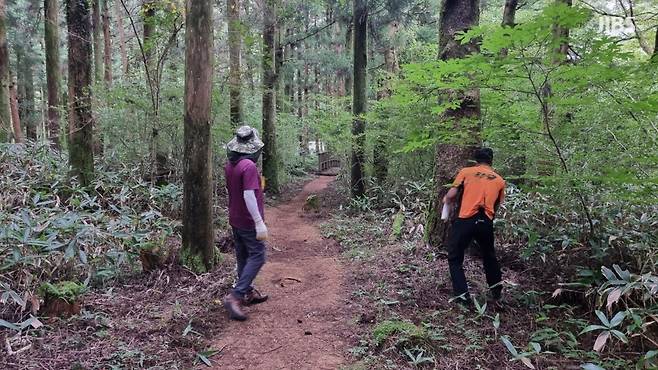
x=270, y=158
x=15, y=117
x=279, y=56
x=51, y=9
x=5, y=111
x=235, y=77
x=561, y=39
x=456, y=16
x=359, y=98
x=349, y=41
x=509, y=13
x=81, y=151
x=289, y=78
x=654, y=56
x=198, y=236
x=380, y=151
x=96, y=26
x=122, y=36
x=517, y=166
x=25, y=85
x=107, y=49
x=148, y=12
x=509, y=18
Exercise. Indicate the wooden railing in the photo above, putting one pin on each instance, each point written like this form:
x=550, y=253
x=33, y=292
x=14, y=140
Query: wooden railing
x=329, y=164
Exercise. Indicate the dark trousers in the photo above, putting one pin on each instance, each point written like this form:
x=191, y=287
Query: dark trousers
x=250, y=256
x=464, y=230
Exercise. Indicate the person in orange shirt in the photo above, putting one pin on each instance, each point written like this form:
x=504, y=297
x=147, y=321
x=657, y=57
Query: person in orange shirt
x=483, y=192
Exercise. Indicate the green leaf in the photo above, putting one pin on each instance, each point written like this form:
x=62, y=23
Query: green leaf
x=609, y=274
x=204, y=359
x=619, y=317
x=496, y=321
x=603, y=318
x=591, y=366
x=8, y=325
x=620, y=335
x=592, y=328
x=205, y=356
x=509, y=345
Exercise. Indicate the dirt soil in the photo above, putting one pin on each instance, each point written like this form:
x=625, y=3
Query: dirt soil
x=306, y=323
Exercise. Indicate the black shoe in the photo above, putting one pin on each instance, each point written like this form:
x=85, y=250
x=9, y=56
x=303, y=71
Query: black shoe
x=465, y=302
x=233, y=305
x=254, y=297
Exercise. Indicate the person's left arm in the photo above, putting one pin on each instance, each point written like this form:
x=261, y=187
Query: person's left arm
x=501, y=198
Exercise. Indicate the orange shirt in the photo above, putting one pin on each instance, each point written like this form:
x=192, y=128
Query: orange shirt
x=482, y=189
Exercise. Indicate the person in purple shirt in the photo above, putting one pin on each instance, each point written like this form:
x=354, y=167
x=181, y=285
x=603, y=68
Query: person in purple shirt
x=246, y=217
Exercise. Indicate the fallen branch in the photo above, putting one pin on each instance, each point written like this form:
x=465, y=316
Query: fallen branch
x=272, y=350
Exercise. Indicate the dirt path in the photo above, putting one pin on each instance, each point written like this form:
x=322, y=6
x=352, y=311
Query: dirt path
x=304, y=324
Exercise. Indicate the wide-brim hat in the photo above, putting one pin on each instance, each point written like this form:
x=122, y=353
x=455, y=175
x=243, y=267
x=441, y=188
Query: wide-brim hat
x=246, y=141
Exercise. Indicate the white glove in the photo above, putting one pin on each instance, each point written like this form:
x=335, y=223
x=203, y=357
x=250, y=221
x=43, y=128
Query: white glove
x=261, y=231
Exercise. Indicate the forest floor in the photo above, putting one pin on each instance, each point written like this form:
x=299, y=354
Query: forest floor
x=346, y=292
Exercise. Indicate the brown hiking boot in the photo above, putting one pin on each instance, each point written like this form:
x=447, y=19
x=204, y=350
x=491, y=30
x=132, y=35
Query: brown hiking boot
x=254, y=297
x=233, y=305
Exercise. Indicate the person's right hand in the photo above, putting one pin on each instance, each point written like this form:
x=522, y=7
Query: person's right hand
x=261, y=231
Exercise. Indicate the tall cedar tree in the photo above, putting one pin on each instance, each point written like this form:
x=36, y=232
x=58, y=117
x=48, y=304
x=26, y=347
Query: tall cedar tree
x=148, y=14
x=51, y=27
x=235, y=78
x=509, y=17
x=15, y=116
x=198, y=236
x=5, y=113
x=107, y=47
x=456, y=16
x=270, y=159
x=98, y=52
x=380, y=155
x=359, y=98
x=25, y=80
x=122, y=36
x=81, y=153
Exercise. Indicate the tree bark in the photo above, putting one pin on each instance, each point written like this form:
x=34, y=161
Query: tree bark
x=148, y=12
x=561, y=39
x=359, y=98
x=25, y=86
x=380, y=152
x=51, y=9
x=98, y=53
x=198, y=236
x=107, y=47
x=654, y=56
x=456, y=16
x=81, y=153
x=5, y=111
x=270, y=158
x=509, y=18
x=349, y=41
x=279, y=56
x=509, y=13
x=122, y=37
x=15, y=117
x=235, y=77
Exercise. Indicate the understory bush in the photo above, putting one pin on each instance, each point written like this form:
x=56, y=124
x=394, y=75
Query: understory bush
x=53, y=230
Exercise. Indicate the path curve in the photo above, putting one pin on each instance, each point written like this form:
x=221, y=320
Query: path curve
x=304, y=324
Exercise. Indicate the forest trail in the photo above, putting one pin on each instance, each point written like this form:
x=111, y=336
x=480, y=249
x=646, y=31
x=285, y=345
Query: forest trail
x=305, y=322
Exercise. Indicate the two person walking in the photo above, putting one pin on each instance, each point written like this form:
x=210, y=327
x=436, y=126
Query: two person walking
x=483, y=190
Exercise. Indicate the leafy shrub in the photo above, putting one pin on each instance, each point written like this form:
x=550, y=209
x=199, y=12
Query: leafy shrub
x=53, y=230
